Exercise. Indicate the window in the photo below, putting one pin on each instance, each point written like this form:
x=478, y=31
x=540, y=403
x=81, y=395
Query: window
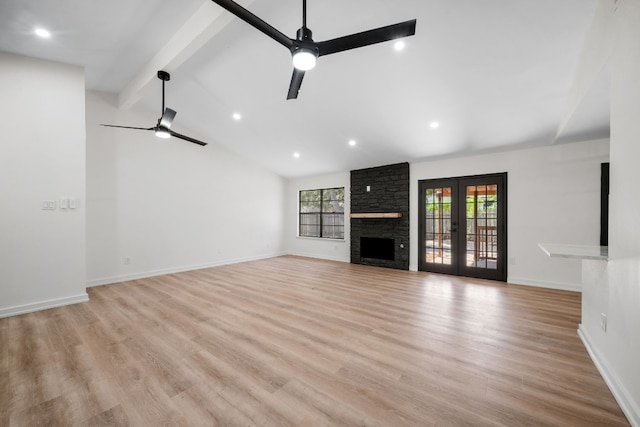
x=322, y=213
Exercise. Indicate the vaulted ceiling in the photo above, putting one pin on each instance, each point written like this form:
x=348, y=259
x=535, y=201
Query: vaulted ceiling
x=494, y=74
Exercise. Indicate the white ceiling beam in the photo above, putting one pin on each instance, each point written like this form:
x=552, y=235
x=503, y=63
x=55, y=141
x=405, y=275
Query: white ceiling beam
x=595, y=55
x=205, y=24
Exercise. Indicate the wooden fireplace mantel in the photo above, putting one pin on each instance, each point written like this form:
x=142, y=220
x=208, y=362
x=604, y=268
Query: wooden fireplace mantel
x=376, y=215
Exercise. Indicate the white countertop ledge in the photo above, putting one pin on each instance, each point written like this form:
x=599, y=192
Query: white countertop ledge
x=575, y=251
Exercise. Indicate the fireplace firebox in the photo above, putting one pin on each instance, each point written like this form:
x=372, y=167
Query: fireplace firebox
x=377, y=248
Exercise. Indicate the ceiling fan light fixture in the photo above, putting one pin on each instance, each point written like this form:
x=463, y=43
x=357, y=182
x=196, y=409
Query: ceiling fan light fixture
x=162, y=133
x=304, y=59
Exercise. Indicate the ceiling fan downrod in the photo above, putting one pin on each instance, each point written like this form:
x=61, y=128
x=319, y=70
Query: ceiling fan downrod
x=165, y=77
x=304, y=34
x=304, y=13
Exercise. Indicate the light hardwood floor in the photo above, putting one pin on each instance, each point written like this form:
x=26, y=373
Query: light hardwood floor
x=302, y=342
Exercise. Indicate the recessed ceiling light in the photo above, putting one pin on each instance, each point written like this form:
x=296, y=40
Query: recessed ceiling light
x=41, y=32
x=352, y=142
x=399, y=45
x=237, y=116
x=434, y=125
x=296, y=155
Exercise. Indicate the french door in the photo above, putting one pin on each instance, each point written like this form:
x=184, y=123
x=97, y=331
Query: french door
x=463, y=226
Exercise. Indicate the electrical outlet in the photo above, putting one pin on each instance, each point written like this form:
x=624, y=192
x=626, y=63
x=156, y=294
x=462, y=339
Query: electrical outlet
x=603, y=322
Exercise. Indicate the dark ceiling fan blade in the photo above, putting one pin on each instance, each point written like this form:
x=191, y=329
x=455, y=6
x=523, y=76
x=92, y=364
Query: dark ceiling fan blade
x=186, y=138
x=366, y=38
x=255, y=22
x=127, y=127
x=167, y=118
x=296, y=82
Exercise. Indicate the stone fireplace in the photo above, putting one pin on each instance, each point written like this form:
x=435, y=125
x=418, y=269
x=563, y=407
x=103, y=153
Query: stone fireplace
x=380, y=216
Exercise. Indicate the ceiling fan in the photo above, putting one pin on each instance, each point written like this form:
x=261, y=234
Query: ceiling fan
x=305, y=51
x=163, y=128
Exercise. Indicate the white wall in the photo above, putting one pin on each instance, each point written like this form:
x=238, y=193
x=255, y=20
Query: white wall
x=337, y=250
x=553, y=196
x=616, y=352
x=42, y=157
x=170, y=205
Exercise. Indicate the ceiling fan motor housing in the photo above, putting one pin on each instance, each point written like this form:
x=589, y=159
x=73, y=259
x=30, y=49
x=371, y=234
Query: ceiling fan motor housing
x=304, y=41
x=304, y=34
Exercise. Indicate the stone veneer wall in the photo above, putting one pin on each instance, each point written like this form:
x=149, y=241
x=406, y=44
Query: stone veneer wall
x=388, y=192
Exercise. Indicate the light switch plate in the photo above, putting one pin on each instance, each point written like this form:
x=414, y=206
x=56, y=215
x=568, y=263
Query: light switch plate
x=48, y=205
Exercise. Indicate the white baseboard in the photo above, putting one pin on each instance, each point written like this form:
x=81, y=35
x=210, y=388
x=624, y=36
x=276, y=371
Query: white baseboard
x=144, y=274
x=575, y=287
x=43, y=305
x=619, y=391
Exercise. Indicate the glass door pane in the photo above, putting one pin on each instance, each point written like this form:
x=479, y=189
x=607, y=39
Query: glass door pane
x=482, y=226
x=438, y=225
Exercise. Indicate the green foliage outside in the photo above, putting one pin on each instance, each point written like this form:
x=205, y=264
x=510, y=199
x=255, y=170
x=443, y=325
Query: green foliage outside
x=329, y=200
x=485, y=204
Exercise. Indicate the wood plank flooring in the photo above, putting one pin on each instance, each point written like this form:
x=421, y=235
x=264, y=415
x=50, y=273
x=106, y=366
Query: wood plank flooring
x=293, y=341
